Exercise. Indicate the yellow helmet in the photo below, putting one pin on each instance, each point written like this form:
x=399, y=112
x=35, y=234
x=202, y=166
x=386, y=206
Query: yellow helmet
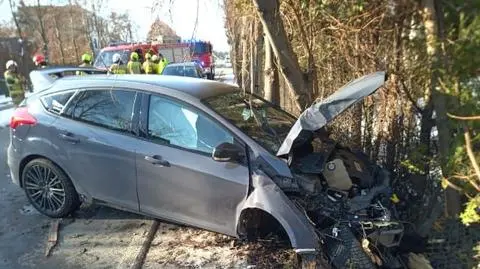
x=134, y=56
x=86, y=58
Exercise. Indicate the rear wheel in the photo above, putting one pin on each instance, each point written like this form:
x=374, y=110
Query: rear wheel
x=49, y=189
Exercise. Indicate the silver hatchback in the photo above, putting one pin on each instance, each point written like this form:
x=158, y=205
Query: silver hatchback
x=191, y=151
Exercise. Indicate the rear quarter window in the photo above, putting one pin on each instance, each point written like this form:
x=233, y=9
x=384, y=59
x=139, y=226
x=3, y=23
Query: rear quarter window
x=57, y=101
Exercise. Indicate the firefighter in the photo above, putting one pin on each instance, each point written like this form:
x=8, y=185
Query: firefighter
x=148, y=65
x=163, y=62
x=86, y=62
x=117, y=67
x=39, y=61
x=156, y=62
x=134, y=66
x=15, y=83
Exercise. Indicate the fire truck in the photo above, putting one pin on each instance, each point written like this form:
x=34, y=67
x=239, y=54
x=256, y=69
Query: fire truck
x=177, y=51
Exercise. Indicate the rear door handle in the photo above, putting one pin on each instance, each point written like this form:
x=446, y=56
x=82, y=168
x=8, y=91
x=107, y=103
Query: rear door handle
x=69, y=137
x=157, y=160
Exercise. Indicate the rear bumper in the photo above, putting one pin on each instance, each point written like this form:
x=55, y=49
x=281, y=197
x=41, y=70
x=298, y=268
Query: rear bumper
x=13, y=164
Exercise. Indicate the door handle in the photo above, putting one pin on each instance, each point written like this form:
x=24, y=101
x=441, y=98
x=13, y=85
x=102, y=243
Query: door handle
x=157, y=160
x=69, y=137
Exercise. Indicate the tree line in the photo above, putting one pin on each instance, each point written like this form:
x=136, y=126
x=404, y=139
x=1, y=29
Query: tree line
x=64, y=32
x=423, y=120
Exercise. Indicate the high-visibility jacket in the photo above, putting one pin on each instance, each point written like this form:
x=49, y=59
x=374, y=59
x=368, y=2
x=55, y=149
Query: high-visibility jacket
x=15, y=86
x=118, y=69
x=149, y=67
x=134, y=67
x=161, y=65
x=81, y=73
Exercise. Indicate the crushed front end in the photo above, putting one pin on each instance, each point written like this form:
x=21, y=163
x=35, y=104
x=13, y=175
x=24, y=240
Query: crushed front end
x=348, y=201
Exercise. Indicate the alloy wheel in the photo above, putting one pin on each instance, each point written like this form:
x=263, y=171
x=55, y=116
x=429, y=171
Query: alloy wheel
x=44, y=188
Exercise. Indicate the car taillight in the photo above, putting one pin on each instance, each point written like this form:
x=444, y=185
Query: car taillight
x=22, y=117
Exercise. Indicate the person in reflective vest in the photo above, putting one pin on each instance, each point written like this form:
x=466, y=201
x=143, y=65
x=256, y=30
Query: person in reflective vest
x=86, y=62
x=162, y=63
x=148, y=65
x=155, y=61
x=40, y=61
x=134, y=66
x=15, y=83
x=117, y=67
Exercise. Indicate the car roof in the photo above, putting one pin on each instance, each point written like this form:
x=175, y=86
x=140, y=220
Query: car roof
x=199, y=88
x=182, y=64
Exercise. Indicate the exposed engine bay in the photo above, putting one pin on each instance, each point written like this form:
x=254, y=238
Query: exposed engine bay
x=347, y=199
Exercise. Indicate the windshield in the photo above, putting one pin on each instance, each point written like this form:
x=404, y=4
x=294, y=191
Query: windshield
x=259, y=119
x=183, y=71
x=199, y=48
x=105, y=58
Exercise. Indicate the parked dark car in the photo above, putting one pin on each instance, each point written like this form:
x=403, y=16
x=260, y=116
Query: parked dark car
x=189, y=69
x=206, y=154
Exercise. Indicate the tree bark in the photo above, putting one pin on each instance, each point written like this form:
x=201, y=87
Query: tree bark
x=59, y=38
x=15, y=20
x=269, y=13
x=432, y=33
x=40, y=14
x=272, y=88
x=245, y=54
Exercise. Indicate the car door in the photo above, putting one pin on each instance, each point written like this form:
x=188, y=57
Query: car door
x=177, y=177
x=95, y=133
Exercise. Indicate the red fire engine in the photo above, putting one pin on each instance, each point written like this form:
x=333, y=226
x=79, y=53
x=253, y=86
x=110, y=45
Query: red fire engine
x=185, y=51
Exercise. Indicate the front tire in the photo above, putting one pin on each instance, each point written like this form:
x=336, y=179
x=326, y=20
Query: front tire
x=49, y=189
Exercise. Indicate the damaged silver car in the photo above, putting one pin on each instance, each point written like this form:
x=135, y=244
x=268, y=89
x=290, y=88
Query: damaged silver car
x=206, y=154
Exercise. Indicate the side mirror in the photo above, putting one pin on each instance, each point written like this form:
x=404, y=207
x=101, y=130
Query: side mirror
x=228, y=152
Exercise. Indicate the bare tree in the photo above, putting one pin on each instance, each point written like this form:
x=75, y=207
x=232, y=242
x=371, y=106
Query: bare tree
x=14, y=16
x=269, y=13
x=271, y=89
x=58, y=35
x=432, y=21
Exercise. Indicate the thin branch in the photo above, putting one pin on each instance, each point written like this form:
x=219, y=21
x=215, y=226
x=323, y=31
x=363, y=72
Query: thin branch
x=471, y=156
x=410, y=98
x=453, y=185
x=463, y=117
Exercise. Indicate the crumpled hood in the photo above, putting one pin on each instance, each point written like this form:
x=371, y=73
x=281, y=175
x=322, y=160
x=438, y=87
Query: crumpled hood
x=321, y=113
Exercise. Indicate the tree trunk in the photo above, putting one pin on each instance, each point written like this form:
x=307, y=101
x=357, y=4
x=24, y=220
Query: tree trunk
x=272, y=88
x=253, y=58
x=40, y=15
x=15, y=20
x=59, y=38
x=245, y=55
x=269, y=13
x=452, y=197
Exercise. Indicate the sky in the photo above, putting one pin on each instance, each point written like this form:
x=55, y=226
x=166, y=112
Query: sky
x=179, y=14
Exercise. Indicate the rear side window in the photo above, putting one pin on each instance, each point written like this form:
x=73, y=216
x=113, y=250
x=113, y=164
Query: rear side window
x=57, y=101
x=111, y=109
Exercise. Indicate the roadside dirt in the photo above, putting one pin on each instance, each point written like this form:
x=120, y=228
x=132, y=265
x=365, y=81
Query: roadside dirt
x=186, y=247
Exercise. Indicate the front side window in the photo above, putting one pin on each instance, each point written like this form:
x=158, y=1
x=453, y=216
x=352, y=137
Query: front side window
x=172, y=123
x=107, y=108
x=259, y=119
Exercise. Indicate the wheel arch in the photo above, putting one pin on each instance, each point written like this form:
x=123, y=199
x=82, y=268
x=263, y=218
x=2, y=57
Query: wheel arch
x=269, y=198
x=259, y=221
x=32, y=157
